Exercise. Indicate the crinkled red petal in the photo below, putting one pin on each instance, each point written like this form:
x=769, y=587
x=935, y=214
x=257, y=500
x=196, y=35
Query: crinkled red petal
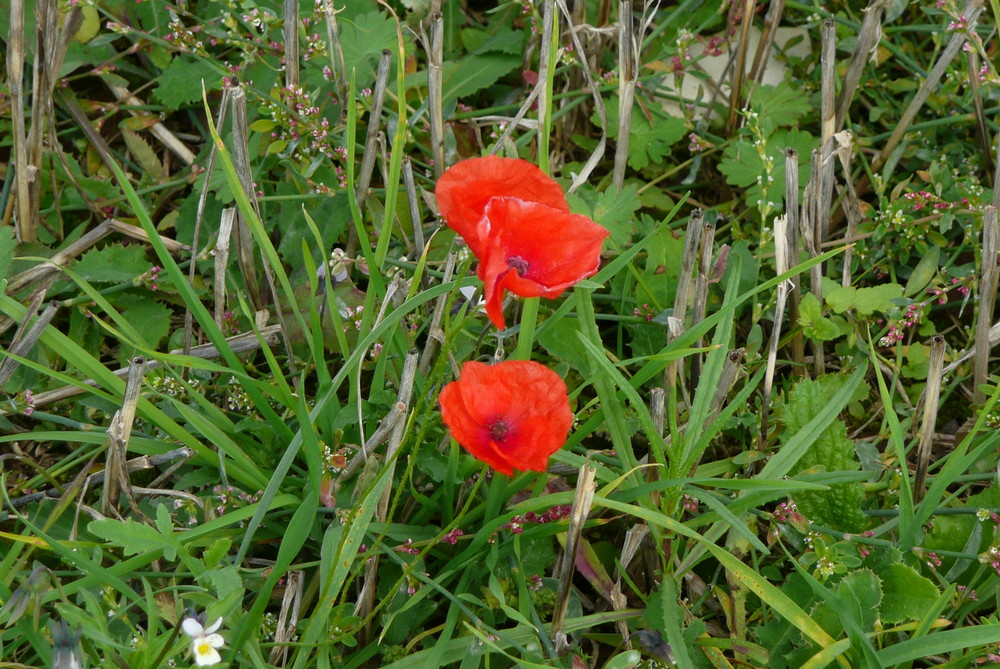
x=464, y=190
x=554, y=249
x=530, y=398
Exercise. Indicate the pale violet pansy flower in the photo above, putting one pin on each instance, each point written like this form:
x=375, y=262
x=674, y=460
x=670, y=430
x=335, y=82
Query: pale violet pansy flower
x=204, y=641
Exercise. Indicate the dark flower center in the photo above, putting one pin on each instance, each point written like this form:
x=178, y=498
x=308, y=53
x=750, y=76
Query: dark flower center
x=499, y=430
x=519, y=264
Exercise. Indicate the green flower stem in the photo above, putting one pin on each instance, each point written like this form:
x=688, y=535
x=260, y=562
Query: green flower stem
x=496, y=495
x=526, y=335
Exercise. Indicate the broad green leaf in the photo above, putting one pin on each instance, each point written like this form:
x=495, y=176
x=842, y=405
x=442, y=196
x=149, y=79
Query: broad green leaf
x=90, y=25
x=8, y=244
x=214, y=553
x=113, y=264
x=263, y=125
x=841, y=298
x=362, y=40
x=907, y=594
x=924, y=272
x=861, y=590
x=663, y=266
x=616, y=212
x=744, y=167
x=877, y=298
x=865, y=301
x=561, y=340
x=839, y=507
x=150, y=318
x=501, y=41
x=651, y=138
x=780, y=106
x=225, y=581
x=277, y=146
x=474, y=73
x=814, y=324
x=180, y=84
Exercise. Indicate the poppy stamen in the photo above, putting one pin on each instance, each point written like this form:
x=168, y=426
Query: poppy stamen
x=499, y=430
x=518, y=264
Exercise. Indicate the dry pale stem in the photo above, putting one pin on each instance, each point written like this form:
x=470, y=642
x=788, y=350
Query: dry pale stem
x=291, y=31
x=25, y=338
x=868, y=37
x=985, y=302
x=119, y=431
x=435, y=93
x=226, y=222
x=932, y=393
x=627, y=73
x=735, y=94
x=586, y=485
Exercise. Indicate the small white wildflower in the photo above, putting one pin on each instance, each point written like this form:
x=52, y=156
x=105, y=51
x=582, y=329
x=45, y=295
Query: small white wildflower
x=982, y=514
x=204, y=641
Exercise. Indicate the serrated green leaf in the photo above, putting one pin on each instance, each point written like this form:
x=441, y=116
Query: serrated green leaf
x=225, y=580
x=780, y=106
x=865, y=301
x=906, y=594
x=134, y=538
x=839, y=507
x=560, y=339
x=616, y=212
x=149, y=317
x=144, y=154
x=814, y=324
x=218, y=550
x=822, y=329
x=917, y=362
x=180, y=84
x=663, y=266
x=861, y=590
x=650, y=140
x=743, y=166
x=362, y=41
x=113, y=264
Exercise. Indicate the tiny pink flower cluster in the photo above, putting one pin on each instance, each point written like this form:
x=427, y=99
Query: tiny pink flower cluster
x=516, y=524
x=911, y=317
x=922, y=198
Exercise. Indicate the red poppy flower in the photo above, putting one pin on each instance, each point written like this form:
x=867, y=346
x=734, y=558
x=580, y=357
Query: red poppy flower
x=535, y=251
x=511, y=415
x=465, y=189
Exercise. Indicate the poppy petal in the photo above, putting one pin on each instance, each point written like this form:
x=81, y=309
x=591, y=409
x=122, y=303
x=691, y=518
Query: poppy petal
x=470, y=429
x=511, y=415
x=535, y=251
x=464, y=190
